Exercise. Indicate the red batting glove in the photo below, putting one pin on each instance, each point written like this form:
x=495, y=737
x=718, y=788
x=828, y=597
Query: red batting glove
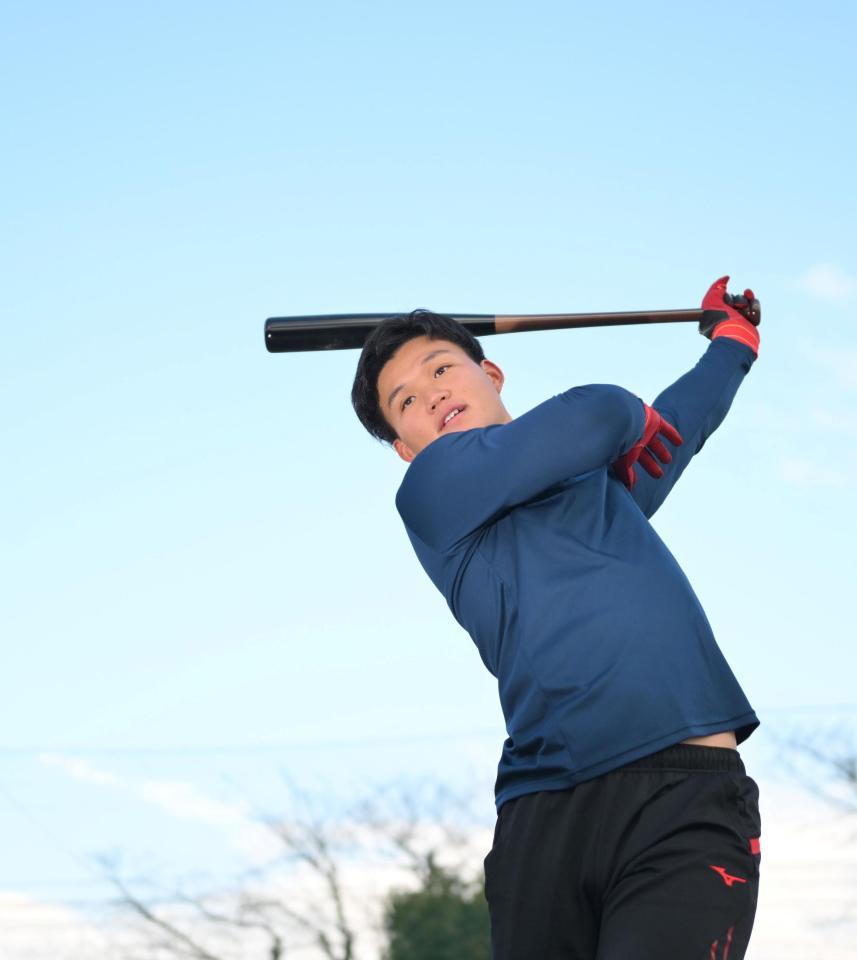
x=647, y=449
x=722, y=319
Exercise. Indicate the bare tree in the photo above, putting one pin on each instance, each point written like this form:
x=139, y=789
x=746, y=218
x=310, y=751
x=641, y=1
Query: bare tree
x=194, y=926
x=825, y=762
x=322, y=909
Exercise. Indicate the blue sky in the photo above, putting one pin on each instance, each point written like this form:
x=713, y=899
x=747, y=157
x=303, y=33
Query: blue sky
x=205, y=581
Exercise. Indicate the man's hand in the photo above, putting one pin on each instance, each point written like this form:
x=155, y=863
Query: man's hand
x=727, y=316
x=648, y=450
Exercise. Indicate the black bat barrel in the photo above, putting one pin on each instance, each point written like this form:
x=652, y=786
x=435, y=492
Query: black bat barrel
x=344, y=331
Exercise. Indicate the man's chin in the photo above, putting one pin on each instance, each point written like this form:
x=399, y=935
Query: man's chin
x=467, y=421
x=456, y=427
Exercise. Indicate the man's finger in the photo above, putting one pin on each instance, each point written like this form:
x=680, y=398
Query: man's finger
x=656, y=446
x=669, y=431
x=650, y=465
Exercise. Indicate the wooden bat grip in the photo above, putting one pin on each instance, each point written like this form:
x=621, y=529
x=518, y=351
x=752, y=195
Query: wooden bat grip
x=566, y=321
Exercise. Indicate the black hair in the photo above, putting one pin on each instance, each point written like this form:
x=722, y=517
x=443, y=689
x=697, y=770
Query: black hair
x=380, y=346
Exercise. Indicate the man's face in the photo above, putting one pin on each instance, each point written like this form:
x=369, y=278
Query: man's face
x=425, y=382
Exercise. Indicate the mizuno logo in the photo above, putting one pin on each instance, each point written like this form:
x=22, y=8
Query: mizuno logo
x=727, y=878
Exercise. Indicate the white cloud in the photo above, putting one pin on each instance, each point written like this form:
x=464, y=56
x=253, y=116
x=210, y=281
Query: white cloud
x=184, y=802
x=79, y=769
x=842, y=423
x=837, y=361
x=827, y=282
x=843, y=364
x=807, y=473
x=809, y=871
x=33, y=930
x=177, y=798
x=180, y=800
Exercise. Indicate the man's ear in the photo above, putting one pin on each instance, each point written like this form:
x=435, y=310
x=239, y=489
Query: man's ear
x=494, y=374
x=403, y=451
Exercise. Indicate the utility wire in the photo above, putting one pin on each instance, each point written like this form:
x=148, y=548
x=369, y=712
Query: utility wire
x=248, y=747
x=276, y=746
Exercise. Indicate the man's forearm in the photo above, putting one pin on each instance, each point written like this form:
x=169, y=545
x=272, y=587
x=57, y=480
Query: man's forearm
x=696, y=405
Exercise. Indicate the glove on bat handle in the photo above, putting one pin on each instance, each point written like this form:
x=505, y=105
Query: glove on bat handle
x=749, y=309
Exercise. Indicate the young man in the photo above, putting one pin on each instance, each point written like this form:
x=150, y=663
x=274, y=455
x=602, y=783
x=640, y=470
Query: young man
x=627, y=828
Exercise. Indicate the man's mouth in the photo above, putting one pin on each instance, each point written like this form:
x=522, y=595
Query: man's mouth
x=450, y=417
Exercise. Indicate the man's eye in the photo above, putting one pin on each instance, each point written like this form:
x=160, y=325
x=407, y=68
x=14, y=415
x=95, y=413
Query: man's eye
x=438, y=373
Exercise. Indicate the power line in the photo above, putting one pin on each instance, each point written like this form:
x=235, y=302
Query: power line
x=278, y=746
x=249, y=747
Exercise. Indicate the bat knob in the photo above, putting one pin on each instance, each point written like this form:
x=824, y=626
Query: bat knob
x=748, y=307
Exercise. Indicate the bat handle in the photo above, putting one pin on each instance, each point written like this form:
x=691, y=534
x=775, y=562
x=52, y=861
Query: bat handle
x=750, y=309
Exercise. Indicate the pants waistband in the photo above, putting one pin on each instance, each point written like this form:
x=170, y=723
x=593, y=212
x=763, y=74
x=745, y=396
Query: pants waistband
x=691, y=756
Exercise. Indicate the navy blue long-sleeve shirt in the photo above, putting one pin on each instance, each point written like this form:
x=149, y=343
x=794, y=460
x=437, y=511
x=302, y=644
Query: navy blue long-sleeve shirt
x=602, y=651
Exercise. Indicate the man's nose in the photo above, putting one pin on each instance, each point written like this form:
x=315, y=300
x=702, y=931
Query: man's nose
x=437, y=397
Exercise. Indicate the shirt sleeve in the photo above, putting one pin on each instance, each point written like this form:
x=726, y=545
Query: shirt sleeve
x=695, y=405
x=462, y=481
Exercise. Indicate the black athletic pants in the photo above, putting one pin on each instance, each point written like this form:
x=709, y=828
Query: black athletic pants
x=658, y=860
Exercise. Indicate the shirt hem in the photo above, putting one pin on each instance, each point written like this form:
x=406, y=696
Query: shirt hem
x=565, y=781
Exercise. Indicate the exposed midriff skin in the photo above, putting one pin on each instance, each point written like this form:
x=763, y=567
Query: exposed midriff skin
x=715, y=740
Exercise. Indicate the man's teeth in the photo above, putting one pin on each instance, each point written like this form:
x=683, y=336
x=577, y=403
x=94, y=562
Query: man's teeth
x=450, y=415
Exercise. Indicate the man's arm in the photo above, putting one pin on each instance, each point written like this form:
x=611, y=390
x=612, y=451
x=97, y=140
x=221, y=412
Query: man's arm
x=462, y=481
x=697, y=402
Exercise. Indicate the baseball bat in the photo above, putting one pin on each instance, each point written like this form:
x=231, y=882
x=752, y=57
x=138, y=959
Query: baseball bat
x=348, y=331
